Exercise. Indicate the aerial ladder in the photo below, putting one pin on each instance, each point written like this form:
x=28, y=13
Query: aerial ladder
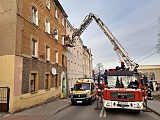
x=138, y=93
x=121, y=53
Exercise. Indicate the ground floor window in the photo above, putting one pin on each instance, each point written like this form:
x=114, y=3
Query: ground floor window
x=47, y=81
x=56, y=81
x=33, y=82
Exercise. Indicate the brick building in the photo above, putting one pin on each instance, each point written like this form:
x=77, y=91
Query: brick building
x=32, y=52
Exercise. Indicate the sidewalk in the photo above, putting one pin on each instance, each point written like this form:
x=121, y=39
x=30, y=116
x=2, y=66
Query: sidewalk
x=38, y=113
x=154, y=105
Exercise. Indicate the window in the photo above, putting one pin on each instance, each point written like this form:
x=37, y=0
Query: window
x=47, y=26
x=63, y=40
x=33, y=82
x=47, y=53
x=56, y=81
x=47, y=81
x=48, y=4
x=34, y=16
x=63, y=59
x=56, y=13
x=34, y=48
x=63, y=21
x=56, y=35
x=56, y=56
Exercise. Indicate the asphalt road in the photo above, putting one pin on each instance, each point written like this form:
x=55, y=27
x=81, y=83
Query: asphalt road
x=88, y=112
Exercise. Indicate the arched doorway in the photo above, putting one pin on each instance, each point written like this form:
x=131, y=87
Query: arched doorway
x=63, y=83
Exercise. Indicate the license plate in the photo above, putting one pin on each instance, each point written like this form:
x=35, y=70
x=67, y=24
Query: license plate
x=123, y=103
x=79, y=101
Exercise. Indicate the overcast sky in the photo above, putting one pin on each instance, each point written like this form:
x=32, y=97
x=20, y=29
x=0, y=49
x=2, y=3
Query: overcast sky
x=134, y=23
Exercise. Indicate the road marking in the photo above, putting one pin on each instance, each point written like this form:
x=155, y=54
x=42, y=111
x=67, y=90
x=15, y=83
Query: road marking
x=101, y=113
x=104, y=115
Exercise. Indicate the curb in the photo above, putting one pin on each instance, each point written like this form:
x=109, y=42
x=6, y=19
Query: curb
x=4, y=114
x=153, y=111
x=57, y=112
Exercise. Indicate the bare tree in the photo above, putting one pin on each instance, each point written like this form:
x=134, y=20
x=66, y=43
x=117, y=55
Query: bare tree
x=98, y=70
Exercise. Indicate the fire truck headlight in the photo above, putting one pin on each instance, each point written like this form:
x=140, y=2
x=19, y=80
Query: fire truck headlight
x=108, y=103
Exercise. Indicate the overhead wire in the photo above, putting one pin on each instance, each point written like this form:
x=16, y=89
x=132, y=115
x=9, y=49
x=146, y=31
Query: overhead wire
x=157, y=51
x=147, y=57
x=146, y=52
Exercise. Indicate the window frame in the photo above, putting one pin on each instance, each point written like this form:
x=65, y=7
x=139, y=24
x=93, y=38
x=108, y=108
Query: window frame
x=63, y=21
x=34, y=15
x=56, y=56
x=63, y=60
x=34, y=47
x=47, y=26
x=56, y=13
x=63, y=42
x=56, y=36
x=47, y=53
x=48, y=80
x=56, y=81
x=35, y=89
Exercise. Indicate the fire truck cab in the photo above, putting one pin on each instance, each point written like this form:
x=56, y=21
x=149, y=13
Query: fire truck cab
x=122, y=90
x=84, y=91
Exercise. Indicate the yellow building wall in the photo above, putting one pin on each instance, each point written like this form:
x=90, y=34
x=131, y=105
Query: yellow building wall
x=31, y=99
x=11, y=76
x=7, y=63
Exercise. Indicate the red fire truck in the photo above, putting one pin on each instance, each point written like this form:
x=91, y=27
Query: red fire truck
x=123, y=90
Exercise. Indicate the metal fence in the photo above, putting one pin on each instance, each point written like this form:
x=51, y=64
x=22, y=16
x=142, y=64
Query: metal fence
x=4, y=99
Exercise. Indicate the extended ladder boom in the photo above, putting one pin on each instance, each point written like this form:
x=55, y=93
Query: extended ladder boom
x=117, y=46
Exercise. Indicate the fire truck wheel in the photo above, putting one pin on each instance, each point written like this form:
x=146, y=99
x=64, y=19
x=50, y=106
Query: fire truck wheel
x=137, y=111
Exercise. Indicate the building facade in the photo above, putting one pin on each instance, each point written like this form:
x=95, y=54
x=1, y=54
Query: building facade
x=79, y=59
x=74, y=59
x=151, y=71
x=33, y=56
x=87, y=62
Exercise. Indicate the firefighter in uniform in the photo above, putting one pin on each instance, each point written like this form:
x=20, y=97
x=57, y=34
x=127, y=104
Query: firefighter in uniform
x=149, y=91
